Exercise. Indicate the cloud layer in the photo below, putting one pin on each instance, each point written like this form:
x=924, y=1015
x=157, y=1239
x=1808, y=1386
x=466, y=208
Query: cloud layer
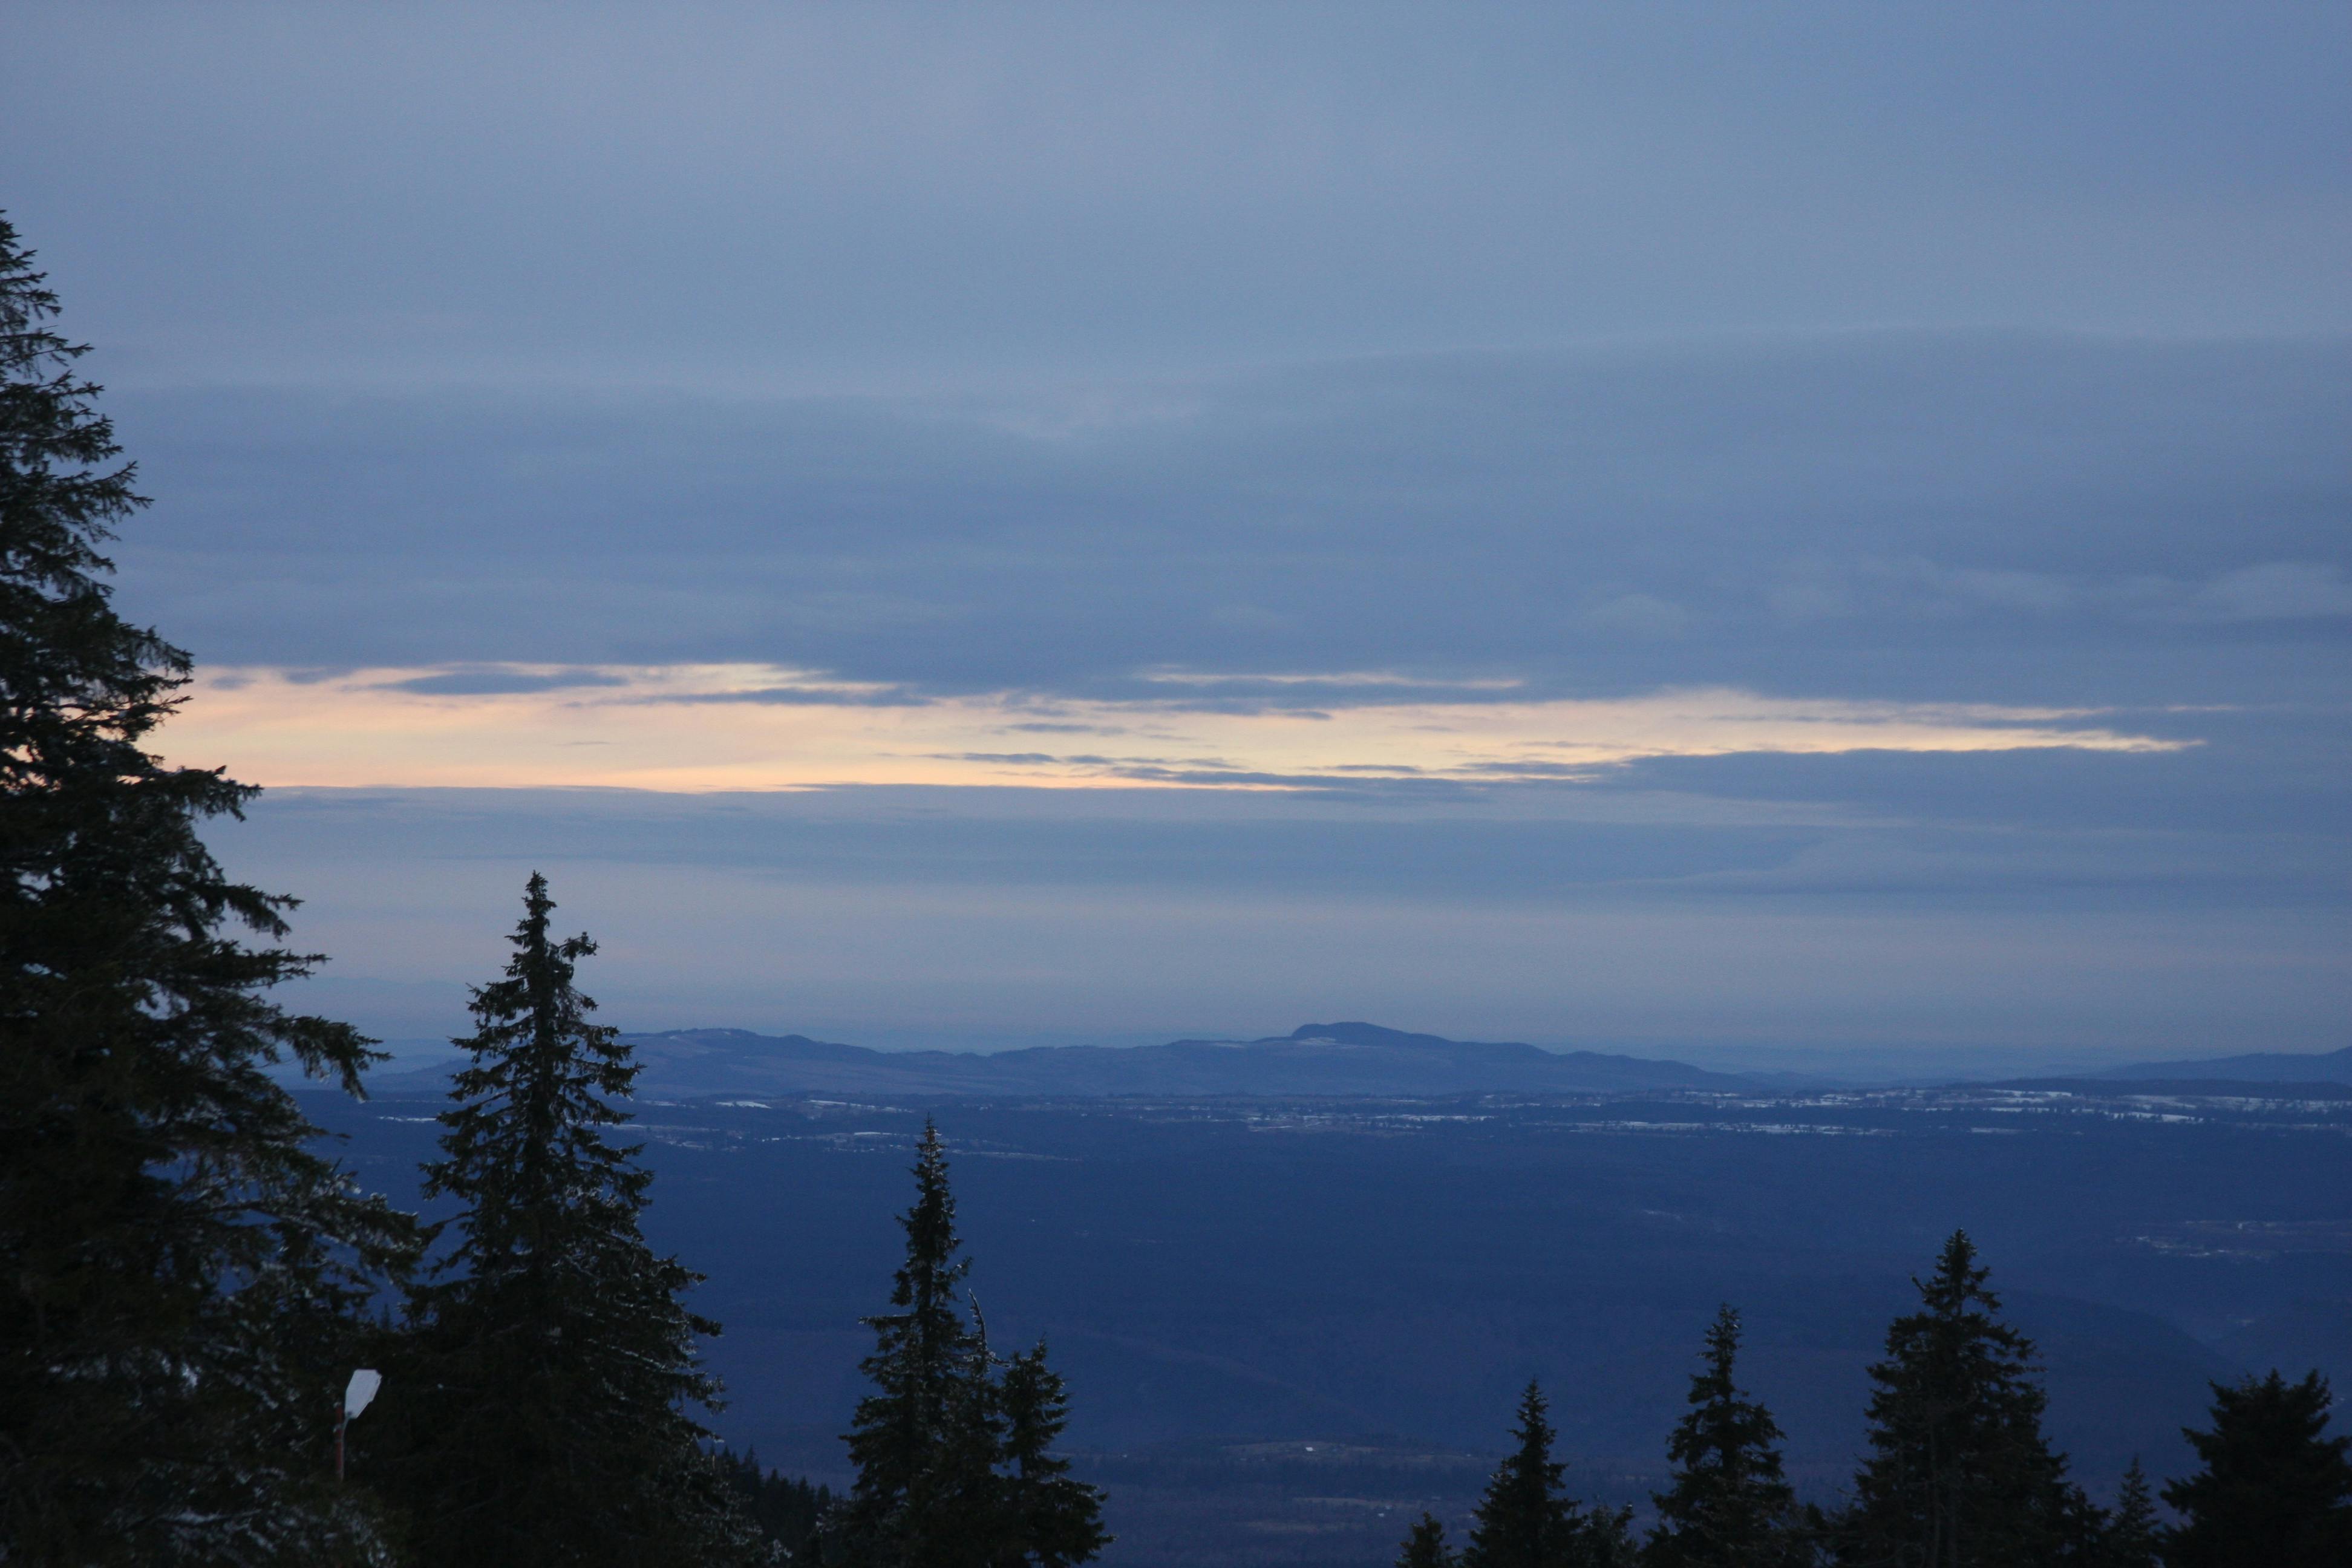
x=738, y=727
x=2035, y=520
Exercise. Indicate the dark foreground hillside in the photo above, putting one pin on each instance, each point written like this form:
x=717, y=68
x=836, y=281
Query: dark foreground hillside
x=1287, y=1323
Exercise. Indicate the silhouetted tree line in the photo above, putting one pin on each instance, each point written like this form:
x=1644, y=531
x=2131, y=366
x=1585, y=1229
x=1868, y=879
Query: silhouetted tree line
x=186, y=1281
x=1958, y=1473
x=787, y=1511
x=541, y=1380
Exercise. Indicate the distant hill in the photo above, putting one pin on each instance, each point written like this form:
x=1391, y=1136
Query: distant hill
x=2266, y=1067
x=1352, y=1058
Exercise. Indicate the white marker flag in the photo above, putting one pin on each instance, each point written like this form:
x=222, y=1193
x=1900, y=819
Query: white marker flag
x=362, y=1389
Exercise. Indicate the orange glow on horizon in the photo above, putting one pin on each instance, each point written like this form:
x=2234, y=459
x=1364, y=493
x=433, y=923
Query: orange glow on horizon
x=695, y=727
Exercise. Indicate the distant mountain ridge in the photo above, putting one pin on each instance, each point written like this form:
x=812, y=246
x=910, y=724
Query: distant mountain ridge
x=2262, y=1066
x=1344, y=1058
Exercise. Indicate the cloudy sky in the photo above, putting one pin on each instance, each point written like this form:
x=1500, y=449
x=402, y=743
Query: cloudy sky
x=1708, y=528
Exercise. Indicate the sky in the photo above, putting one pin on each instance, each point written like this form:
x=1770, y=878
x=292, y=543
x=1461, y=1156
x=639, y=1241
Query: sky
x=1736, y=532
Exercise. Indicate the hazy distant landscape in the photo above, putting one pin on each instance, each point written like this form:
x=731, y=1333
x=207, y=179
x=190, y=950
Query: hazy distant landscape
x=1340, y=1058
x=1291, y=1321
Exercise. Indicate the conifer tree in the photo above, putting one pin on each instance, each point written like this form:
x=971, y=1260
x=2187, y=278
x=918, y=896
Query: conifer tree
x=1425, y=1545
x=954, y=1468
x=183, y=1270
x=2131, y=1538
x=1730, y=1505
x=1608, y=1539
x=1055, y=1521
x=922, y=1444
x=1959, y=1474
x=546, y=1419
x=1526, y=1520
x=2273, y=1490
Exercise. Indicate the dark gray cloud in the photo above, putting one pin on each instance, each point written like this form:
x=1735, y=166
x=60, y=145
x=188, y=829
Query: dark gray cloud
x=1968, y=518
x=495, y=682
x=796, y=697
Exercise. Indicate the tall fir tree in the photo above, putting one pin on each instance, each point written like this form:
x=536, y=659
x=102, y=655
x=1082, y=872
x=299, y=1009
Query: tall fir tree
x=954, y=1463
x=1526, y=1519
x=924, y=1442
x=1055, y=1521
x=1959, y=1474
x=2273, y=1490
x=1425, y=1545
x=546, y=1415
x=2132, y=1536
x=1730, y=1505
x=185, y=1272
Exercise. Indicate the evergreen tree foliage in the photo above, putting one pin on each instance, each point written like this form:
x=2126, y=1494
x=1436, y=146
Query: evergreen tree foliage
x=954, y=1463
x=787, y=1512
x=924, y=1441
x=1425, y=1546
x=1608, y=1540
x=545, y=1417
x=1055, y=1521
x=1959, y=1474
x=1730, y=1505
x=2131, y=1536
x=184, y=1272
x=2273, y=1490
x=1526, y=1520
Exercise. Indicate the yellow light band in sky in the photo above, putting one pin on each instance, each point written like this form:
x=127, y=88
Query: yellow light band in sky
x=759, y=727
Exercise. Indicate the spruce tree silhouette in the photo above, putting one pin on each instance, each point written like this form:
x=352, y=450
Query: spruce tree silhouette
x=1053, y=1521
x=544, y=1415
x=2272, y=1491
x=2132, y=1539
x=1959, y=1474
x=954, y=1463
x=184, y=1270
x=1525, y=1519
x=1425, y=1545
x=1730, y=1505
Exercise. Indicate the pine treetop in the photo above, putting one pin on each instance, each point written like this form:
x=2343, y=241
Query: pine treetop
x=2133, y=1533
x=926, y=1350
x=1725, y=1431
x=1425, y=1545
x=1955, y=1360
x=929, y=1279
x=1524, y=1519
x=525, y=1147
x=954, y=1449
x=924, y=1442
x=545, y=1414
x=1058, y=1519
x=73, y=672
x=2271, y=1488
x=1960, y=1468
x=1730, y=1504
